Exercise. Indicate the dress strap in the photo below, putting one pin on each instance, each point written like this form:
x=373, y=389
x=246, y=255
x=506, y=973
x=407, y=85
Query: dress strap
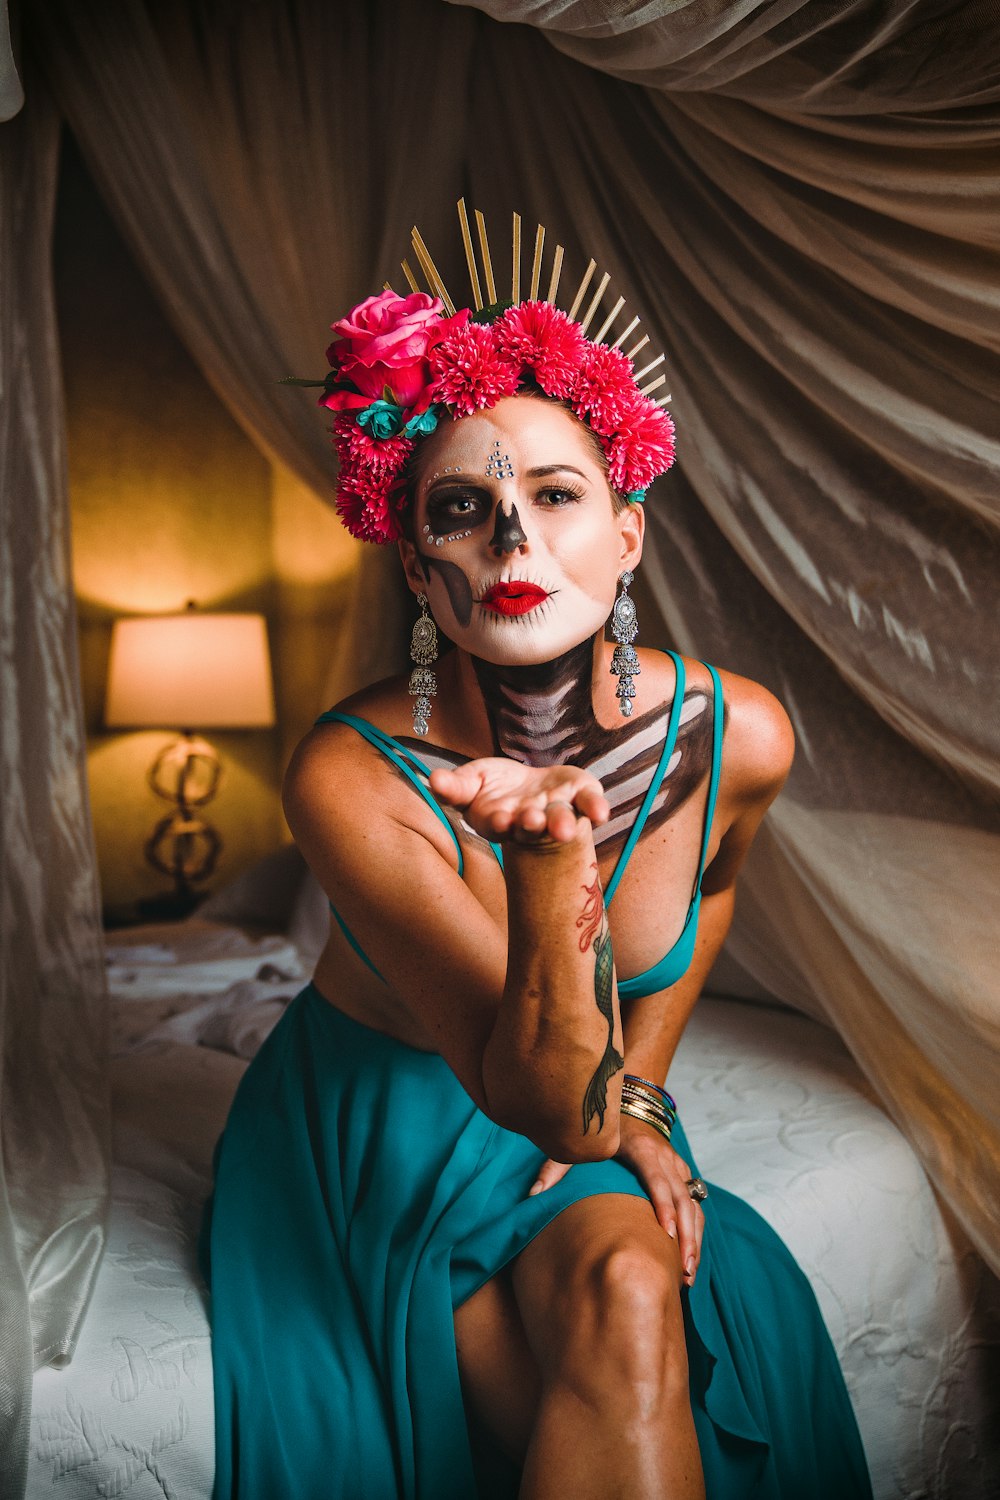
x=713, y=785
x=670, y=739
x=349, y=935
x=412, y=767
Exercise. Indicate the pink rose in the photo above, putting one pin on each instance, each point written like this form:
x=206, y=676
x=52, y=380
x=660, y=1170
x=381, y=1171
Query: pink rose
x=383, y=342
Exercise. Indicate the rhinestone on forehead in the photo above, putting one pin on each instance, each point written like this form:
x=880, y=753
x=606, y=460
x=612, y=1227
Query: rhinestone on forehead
x=498, y=465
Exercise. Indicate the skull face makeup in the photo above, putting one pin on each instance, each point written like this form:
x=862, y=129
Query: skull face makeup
x=507, y=534
x=534, y=546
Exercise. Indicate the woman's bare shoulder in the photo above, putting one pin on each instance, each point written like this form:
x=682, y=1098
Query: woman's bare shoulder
x=759, y=740
x=334, y=758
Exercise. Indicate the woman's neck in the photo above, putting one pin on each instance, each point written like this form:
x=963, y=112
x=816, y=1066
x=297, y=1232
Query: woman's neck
x=547, y=715
x=543, y=715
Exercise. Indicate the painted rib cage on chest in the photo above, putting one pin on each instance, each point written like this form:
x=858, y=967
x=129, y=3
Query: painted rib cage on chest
x=624, y=760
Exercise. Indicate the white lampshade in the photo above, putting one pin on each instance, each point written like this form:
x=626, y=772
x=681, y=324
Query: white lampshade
x=190, y=671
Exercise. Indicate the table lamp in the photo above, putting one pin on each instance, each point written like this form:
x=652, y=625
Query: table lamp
x=177, y=672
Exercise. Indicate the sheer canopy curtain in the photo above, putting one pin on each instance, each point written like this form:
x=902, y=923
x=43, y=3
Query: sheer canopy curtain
x=260, y=159
x=799, y=200
x=54, y=1102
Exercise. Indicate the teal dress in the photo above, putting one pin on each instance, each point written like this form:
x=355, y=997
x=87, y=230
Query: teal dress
x=361, y=1197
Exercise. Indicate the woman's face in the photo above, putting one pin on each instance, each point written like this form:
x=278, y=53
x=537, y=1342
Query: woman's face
x=517, y=545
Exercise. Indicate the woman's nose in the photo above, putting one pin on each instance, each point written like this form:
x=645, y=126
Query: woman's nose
x=508, y=533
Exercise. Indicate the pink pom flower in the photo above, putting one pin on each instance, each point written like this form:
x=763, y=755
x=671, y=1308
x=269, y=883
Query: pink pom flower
x=383, y=342
x=367, y=507
x=641, y=447
x=604, y=388
x=467, y=370
x=357, y=450
x=541, y=340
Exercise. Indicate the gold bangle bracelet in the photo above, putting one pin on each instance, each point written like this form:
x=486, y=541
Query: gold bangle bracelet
x=639, y=1096
x=630, y=1086
x=647, y=1119
x=638, y=1107
x=657, y=1125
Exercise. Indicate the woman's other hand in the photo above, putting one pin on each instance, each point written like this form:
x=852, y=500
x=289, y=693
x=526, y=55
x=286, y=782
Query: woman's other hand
x=502, y=798
x=664, y=1175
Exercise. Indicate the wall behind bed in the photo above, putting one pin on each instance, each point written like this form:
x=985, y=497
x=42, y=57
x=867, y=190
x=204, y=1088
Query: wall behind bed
x=171, y=501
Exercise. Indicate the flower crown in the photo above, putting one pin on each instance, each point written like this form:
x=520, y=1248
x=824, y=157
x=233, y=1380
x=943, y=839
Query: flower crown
x=398, y=364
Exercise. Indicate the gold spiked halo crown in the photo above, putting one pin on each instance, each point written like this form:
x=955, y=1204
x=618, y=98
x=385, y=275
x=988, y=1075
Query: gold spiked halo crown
x=401, y=364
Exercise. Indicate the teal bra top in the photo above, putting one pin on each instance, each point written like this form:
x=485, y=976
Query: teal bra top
x=676, y=960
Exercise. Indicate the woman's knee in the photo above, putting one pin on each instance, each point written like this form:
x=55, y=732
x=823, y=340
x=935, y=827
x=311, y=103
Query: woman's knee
x=618, y=1321
x=634, y=1292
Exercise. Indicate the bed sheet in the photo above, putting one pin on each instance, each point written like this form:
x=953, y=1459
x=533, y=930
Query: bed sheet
x=133, y=1414
x=776, y=1111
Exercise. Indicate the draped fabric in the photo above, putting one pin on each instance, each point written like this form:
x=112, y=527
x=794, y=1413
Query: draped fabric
x=261, y=190
x=54, y=1101
x=801, y=200
x=852, y=58
x=11, y=92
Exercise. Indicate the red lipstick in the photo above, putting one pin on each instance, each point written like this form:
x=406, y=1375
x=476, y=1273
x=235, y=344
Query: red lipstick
x=513, y=598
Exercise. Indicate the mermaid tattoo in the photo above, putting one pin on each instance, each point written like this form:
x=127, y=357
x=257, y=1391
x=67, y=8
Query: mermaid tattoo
x=596, y=934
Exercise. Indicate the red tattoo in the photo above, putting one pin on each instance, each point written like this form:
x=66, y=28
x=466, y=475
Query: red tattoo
x=593, y=912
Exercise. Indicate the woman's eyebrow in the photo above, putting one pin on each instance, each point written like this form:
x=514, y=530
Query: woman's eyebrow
x=457, y=476
x=547, y=469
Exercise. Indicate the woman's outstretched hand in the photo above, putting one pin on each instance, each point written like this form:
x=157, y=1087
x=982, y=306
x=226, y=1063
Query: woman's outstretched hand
x=502, y=798
x=664, y=1176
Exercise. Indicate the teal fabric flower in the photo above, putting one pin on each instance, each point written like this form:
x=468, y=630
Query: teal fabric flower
x=383, y=419
x=423, y=423
x=635, y=497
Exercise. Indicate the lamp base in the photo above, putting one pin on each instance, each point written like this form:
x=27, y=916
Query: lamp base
x=171, y=906
x=182, y=844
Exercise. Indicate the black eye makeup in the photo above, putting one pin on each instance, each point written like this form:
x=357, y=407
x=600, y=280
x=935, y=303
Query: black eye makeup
x=452, y=510
x=456, y=508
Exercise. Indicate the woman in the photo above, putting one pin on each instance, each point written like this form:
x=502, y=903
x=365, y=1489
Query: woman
x=458, y=1242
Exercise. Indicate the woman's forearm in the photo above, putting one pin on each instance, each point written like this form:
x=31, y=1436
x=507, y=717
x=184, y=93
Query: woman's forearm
x=552, y=1066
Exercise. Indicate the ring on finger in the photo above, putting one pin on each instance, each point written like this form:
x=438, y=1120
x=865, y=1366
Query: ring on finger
x=697, y=1190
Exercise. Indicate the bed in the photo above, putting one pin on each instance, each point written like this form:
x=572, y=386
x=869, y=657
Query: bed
x=772, y=1102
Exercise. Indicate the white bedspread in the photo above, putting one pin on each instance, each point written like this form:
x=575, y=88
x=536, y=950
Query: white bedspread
x=133, y=1413
x=774, y=1108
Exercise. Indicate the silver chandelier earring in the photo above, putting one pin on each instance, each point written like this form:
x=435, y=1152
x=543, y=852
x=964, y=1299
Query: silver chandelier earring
x=423, y=683
x=625, y=661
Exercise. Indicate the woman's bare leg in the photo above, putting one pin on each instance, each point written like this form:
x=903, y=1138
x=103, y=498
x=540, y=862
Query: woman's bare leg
x=500, y=1380
x=573, y=1359
x=599, y=1295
